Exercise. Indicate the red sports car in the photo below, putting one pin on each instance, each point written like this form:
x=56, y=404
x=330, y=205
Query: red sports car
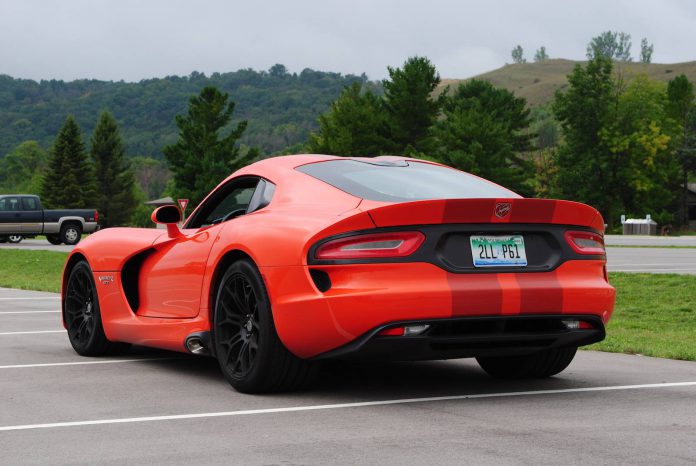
x=296, y=259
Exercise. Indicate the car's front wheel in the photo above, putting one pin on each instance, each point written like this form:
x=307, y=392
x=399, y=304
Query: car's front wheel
x=83, y=315
x=15, y=239
x=538, y=365
x=251, y=356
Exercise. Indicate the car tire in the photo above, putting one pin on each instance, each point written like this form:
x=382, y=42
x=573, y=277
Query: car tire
x=82, y=315
x=54, y=239
x=538, y=365
x=251, y=356
x=70, y=233
x=14, y=239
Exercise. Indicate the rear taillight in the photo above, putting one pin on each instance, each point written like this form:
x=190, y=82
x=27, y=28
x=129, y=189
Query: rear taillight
x=374, y=245
x=585, y=242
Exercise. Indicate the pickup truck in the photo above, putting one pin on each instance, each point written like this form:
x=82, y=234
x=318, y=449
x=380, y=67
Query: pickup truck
x=22, y=216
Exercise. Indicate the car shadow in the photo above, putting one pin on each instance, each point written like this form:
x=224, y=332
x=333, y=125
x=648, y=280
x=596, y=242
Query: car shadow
x=350, y=381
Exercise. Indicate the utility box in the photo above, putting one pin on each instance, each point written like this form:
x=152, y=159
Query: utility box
x=640, y=226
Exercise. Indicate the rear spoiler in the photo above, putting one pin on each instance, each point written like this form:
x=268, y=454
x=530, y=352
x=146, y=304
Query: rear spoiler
x=514, y=210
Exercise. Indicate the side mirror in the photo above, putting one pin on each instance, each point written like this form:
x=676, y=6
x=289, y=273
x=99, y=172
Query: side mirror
x=169, y=215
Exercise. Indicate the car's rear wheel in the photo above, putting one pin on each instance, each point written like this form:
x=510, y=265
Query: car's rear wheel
x=70, y=233
x=538, y=365
x=251, y=356
x=83, y=315
x=54, y=239
x=15, y=239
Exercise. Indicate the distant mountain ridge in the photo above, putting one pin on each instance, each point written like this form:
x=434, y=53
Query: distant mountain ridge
x=537, y=82
x=282, y=108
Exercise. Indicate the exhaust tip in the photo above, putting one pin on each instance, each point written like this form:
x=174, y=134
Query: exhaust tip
x=198, y=343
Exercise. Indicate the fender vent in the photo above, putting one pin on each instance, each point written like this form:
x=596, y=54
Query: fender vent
x=130, y=277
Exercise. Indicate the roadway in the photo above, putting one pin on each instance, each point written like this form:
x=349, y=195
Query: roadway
x=152, y=407
x=652, y=254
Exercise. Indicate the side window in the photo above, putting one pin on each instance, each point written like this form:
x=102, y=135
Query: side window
x=9, y=204
x=29, y=203
x=232, y=205
x=228, y=202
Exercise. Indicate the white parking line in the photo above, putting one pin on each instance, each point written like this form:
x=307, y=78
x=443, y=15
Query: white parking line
x=340, y=406
x=29, y=333
x=30, y=298
x=29, y=312
x=80, y=363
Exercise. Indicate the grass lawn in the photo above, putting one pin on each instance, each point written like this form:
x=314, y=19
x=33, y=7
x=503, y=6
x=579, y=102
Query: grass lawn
x=655, y=314
x=31, y=270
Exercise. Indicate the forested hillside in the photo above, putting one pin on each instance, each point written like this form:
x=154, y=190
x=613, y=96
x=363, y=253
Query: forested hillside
x=281, y=107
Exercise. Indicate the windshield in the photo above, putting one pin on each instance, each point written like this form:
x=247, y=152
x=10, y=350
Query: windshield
x=402, y=181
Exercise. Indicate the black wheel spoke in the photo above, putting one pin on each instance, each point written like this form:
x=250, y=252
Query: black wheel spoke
x=237, y=324
x=79, y=307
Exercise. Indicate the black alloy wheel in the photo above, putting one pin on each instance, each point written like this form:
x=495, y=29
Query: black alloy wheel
x=237, y=333
x=251, y=356
x=82, y=315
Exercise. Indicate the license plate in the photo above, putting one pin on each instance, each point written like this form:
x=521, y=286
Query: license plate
x=498, y=251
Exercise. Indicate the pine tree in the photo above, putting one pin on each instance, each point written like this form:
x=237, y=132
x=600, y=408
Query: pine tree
x=409, y=103
x=202, y=156
x=116, y=196
x=355, y=125
x=69, y=181
x=485, y=131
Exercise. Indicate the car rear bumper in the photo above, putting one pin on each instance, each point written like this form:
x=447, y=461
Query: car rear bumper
x=471, y=337
x=365, y=297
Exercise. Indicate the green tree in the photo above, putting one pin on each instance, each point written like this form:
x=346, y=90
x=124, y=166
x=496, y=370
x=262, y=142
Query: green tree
x=485, y=131
x=646, y=51
x=22, y=170
x=69, y=180
x=612, y=45
x=680, y=107
x=518, y=55
x=615, y=153
x=409, y=104
x=541, y=55
x=115, y=180
x=355, y=125
x=203, y=156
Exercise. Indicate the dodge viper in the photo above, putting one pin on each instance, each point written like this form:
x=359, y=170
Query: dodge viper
x=297, y=259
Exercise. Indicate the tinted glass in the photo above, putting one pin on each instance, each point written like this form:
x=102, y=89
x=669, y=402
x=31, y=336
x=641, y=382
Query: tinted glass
x=402, y=181
x=236, y=201
x=29, y=203
x=9, y=204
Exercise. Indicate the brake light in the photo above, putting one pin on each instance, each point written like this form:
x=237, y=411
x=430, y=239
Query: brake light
x=96, y=216
x=374, y=245
x=585, y=242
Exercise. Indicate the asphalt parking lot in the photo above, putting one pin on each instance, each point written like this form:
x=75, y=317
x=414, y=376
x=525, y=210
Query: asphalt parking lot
x=151, y=407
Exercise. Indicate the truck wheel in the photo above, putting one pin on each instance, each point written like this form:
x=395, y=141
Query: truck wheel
x=70, y=234
x=14, y=239
x=53, y=239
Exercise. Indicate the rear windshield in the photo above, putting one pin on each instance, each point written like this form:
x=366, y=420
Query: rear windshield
x=402, y=181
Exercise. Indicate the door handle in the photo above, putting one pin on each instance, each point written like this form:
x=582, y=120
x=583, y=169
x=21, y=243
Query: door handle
x=16, y=215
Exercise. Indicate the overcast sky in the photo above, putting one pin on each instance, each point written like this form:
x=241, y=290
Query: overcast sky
x=136, y=39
